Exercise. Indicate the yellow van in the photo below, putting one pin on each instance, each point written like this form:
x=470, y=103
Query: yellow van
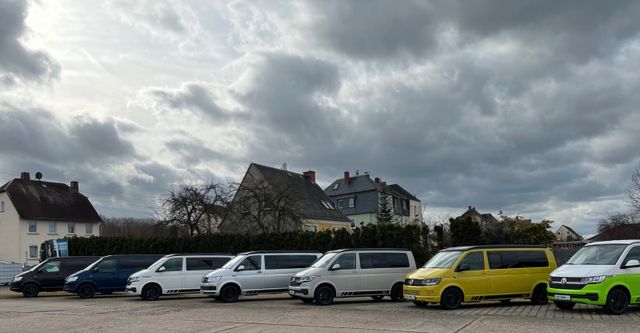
x=481, y=273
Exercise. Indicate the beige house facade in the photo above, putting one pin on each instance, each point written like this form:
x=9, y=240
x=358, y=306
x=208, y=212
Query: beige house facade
x=34, y=211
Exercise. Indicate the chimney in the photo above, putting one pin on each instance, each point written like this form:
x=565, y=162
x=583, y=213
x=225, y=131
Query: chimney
x=346, y=177
x=74, y=186
x=310, y=176
x=377, y=179
x=24, y=176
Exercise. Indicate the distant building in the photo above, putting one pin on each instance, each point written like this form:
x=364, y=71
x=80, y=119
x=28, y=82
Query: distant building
x=33, y=211
x=298, y=197
x=358, y=197
x=566, y=234
x=486, y=221
x=622, y=231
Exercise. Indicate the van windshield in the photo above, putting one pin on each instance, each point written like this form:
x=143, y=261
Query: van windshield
x=92, y=265
x=324, y=260
x=444, y=259
x=606, y=254
x=233, y=262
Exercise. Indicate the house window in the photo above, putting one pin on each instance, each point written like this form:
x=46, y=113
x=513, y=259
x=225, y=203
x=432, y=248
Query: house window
x=1, y=206
x=352, y=202
x=53, y=228
x=33, y=252
x=71, y=228
x=310, y=227
x=341, y=203
x=33, y=227
x=88, y=229
x=335, y=187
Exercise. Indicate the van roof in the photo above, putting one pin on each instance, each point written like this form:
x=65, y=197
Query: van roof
x=133, y=255
x=74, y=257
x=621, y=241
x=279, y=251
x=199, y=254
x=369, y=249
x=474, y=247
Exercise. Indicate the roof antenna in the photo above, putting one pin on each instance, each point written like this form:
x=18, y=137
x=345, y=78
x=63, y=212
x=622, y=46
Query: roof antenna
x=284, y=166
x=357, y=172
x=38, y=175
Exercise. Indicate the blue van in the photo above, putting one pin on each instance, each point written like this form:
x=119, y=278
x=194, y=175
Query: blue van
x=108, y=274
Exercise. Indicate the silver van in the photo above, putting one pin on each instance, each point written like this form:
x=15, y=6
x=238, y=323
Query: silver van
x=252, y=273
x=374, y=272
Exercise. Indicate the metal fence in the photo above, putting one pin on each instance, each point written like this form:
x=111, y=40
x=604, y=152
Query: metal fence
x=8, y=270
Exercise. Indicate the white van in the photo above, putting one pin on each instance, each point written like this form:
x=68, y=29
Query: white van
x=255, y=272
x=354, y=273
x=174, y=274
x=601, y=273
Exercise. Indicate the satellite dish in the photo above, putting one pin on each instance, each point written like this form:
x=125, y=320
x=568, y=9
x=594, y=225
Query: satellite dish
x=38, y=175
x=284, y=166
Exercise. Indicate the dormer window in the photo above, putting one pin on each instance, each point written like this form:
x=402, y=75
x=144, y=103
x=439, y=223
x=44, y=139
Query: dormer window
x=336, y=186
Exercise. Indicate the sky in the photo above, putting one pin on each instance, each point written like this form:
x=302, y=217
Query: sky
x=527, y=107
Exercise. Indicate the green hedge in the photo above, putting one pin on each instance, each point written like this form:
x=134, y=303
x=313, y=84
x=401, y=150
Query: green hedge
x=411, y=237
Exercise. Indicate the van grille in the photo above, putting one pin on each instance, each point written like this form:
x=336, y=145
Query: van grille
x=570, y=283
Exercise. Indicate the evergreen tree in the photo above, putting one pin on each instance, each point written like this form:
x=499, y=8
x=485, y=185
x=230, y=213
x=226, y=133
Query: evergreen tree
x=385, y=210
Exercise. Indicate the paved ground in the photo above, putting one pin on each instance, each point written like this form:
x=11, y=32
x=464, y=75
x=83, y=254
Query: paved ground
x=60, y=312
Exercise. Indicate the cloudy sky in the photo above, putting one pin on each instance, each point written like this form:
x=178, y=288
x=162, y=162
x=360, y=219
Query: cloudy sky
x=529, y=107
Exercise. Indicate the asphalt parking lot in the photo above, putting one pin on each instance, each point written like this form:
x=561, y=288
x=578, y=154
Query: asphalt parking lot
x=61, y=312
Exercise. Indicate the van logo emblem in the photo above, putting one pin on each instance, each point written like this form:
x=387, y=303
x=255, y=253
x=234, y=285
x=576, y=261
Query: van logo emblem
x=410, y=282
x=563, y=281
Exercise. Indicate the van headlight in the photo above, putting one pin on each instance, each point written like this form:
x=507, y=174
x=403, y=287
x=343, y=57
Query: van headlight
x=71, y=279
x=425, y=282
x=135, y=279
x=309, y=278
x=593, y=279
x=17, y=278
x=208, y=279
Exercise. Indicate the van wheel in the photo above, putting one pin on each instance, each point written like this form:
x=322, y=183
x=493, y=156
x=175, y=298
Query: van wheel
x=396, y=293
x=377, y=298
x=617, y=301
x=229, y=293
x=151, y=293
x=451, y=298
x=30, y=290
x=539, y=296
x=421, y=304
x=324, y=295
x=86, y=291
x=564, y=305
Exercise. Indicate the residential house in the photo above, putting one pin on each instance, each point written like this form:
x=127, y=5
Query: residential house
x=33, y=211
x=271, y=199
x=486, y=221
x=622, y=231
x=358, y=197
x=566, y=234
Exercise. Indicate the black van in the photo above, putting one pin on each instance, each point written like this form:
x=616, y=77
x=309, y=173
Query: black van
x=49, y=275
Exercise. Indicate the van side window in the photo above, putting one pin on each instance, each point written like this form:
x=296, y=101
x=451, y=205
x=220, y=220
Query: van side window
x=288, y=261
x=199, y=264
x=473, y=261
x=107, y=265
x=346, y=261
x=173, y=265
x=517, y=259
x=51, y=267
x=383, y=260
x=634, y=254
x=219, y=262
x=135, y=264
x=252, y=263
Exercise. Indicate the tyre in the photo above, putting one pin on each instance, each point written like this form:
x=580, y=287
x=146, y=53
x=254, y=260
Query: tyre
x=324, y=295
x=30, y=290
x=421, y=304
x=151, y=292
x=86, y=291
x=451, y=299
x=307, y=300
x=396, y=293
x=229, y=293
x=505, y=301
x=377, y=298
x=564, y=305
x=617, y=301
x=539, y=295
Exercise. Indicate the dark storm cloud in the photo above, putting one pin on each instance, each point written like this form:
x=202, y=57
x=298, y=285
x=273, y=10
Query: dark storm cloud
x=192, y=151
x=193, y=97
x=15, y=59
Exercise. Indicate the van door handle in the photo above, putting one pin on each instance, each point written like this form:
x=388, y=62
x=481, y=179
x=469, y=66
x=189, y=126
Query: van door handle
x=259, y=272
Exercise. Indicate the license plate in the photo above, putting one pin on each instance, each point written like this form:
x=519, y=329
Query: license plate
x=563, y=298
x=291, y=292
x=409, y=297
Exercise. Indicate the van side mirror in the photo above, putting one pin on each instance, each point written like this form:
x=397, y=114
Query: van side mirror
x=240, y=268
x=462, y=268
x=632, y=263
x=161, y=269
x=335, y=267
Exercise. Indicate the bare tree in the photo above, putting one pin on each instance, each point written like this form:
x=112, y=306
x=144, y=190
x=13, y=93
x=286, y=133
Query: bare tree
x=131, y=226
x=262, y=207
x=196, y=209
x=634, y=191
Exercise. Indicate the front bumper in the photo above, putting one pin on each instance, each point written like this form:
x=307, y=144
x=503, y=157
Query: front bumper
x=70, y=287
x=133, y=289
x=211, y=289
x=593, y=294
x=300, y=291
x=429, y=294
x=15, y=286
